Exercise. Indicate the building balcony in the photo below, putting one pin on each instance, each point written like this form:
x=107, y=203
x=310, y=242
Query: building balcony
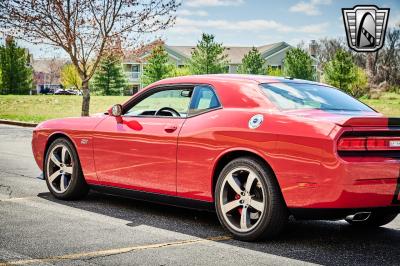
x=133, y=76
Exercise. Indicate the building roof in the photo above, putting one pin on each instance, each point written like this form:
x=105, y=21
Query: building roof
x=48, y=65
x=235, y=53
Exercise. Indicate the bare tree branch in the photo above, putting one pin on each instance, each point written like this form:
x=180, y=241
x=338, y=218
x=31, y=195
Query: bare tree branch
x=85, y=29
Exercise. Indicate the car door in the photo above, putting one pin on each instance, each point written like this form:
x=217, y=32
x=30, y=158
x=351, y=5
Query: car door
x=139, y=152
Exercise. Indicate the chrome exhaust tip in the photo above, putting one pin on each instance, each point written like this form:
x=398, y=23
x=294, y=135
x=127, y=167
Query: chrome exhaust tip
x=358, y=217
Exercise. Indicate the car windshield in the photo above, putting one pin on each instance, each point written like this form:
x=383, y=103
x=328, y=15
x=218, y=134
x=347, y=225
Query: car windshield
x=293, y=96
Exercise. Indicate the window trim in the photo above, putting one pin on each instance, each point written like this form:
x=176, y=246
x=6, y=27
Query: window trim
x=135, y=100
x=205, y=110
x=140, y=96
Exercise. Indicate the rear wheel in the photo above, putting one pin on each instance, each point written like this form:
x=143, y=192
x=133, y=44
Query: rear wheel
x=375, y=220
x=63, y=171
x=248, y=200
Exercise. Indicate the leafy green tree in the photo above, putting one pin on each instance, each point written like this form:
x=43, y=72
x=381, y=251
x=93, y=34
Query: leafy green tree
x=274, y=71
x=158, y=66
x=208, y=57
x=359, y=87
x=298, y=64
x=16, y=77
x=109, y=78
x=252, y=63
x=180, y=71
x=70, y=77
x=341, y=71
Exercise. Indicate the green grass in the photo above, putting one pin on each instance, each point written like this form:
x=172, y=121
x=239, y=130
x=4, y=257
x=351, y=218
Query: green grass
x=388, y=104
x=43, y=107
x=37, y=108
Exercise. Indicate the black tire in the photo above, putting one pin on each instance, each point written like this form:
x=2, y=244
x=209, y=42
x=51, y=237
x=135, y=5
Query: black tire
x=375, y=220
x=275, y=215
x=77, y=187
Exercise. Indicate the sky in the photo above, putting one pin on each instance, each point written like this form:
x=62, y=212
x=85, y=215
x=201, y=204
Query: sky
x=255, y=22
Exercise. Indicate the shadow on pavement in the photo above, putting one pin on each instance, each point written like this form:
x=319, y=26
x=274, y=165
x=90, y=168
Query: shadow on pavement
x=321, y=242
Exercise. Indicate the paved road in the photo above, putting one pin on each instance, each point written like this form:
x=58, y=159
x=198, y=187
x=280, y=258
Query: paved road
x=36, y=229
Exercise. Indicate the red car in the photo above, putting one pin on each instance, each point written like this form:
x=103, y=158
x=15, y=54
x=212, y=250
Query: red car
x=257, y=149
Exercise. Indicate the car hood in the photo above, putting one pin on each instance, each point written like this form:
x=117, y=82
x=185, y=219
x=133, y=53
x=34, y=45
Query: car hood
x=71, y=123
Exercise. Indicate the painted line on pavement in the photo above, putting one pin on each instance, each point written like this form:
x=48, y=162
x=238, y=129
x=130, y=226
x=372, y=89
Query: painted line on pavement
x=117, y=251
x=18, y=199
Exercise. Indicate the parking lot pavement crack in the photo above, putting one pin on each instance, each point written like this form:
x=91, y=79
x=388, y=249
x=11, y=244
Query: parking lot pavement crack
x=7, y=189
x=11, y=173
x=112, y=252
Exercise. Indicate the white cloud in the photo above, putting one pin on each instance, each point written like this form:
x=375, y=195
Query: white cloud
x=247, y=25
x=197, y=3
x=310, y=8
x=187, y=13
x=315, y=28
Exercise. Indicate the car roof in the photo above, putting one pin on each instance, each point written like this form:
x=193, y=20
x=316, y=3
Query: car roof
x=229, y=78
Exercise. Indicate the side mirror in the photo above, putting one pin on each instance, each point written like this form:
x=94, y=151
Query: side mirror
x=116, y=110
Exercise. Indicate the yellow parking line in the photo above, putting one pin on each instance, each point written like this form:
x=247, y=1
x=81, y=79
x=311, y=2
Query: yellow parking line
x=18, y=199
x=116, y=251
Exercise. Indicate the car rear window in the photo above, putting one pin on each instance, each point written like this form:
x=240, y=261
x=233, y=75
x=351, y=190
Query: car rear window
x=292, y=96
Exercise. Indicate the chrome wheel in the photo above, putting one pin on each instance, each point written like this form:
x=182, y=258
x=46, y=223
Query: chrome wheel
x=59, y=168
x=242, y=199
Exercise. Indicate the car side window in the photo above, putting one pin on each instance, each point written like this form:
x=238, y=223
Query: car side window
x=171, y=102
x=203, y=99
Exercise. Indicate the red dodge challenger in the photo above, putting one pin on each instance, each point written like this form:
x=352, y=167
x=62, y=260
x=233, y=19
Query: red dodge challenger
x=256, y=149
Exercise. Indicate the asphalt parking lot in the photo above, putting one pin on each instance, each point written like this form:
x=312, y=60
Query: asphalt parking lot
x=37, y=229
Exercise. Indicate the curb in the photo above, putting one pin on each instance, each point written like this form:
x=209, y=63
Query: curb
x=17, y=123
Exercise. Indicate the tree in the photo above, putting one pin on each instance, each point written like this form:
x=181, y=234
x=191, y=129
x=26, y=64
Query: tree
x=340, y=72
x=70, y=77
x=208, y=57
x=16, y=77
x=158, y=66
x=252, y=63
x=84, y=29
x=359, y=86
x=274, y=71
x=388, y=62
x=54, y=70
x=180, y=71
x=298, y=64
x=109, y=77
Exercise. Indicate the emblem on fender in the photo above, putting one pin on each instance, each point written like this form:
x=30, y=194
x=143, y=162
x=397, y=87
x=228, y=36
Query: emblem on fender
x=84, y=141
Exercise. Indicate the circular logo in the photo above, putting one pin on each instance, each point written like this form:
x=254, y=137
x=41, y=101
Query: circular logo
x=255, y=121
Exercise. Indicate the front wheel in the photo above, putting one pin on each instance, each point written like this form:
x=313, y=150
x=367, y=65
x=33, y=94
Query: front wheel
x=374, y=220
x=248, y=200
x=63, y=172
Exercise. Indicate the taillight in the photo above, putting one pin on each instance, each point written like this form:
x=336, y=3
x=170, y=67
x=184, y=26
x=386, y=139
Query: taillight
x=352, y=144
x=368, y=143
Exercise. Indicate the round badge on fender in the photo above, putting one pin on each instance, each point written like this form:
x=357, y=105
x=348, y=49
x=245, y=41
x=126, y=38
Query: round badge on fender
x=255, y=121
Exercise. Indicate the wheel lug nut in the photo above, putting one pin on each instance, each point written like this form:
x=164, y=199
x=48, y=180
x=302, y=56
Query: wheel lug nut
x=242, y=193
x=241, y=201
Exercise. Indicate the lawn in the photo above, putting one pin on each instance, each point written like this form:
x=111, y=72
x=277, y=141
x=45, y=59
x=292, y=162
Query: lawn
x=388, y=104
x=37, y=108
x=42, y=107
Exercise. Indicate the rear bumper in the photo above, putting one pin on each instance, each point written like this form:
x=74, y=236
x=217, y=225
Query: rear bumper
x=350, y=185
x=337, y=214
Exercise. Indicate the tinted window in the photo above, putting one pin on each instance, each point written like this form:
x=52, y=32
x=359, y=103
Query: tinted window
x=290, y=96
x=204, y=98
x=176, y=99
